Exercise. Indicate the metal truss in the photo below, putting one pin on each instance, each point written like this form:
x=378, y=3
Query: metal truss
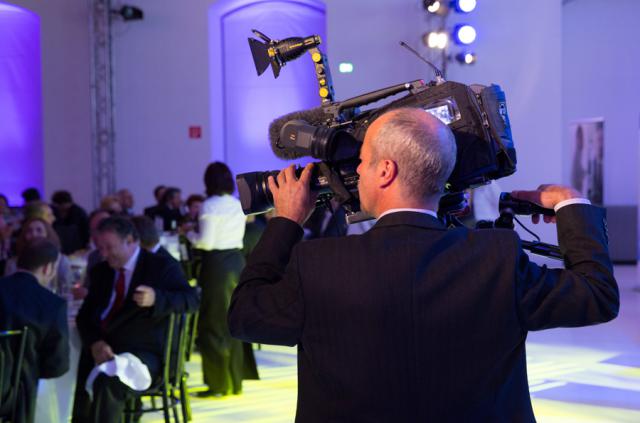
x=103, y=136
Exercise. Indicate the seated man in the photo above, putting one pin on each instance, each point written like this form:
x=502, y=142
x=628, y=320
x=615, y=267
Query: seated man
x=149, y=237
x=71, y=224
x=169, y=211
x=25, y=302
x=131, y=295
x=126, y=200
x=158, y=194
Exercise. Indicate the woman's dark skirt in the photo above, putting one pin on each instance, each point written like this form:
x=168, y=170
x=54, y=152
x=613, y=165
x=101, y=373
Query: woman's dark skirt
x=225, y=360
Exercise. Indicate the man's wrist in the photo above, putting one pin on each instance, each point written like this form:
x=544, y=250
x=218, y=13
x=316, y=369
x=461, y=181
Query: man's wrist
x=292, y=220
x=569, y=202
x=284, y=225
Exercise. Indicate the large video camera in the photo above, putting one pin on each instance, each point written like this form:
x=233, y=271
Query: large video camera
x=334, y=132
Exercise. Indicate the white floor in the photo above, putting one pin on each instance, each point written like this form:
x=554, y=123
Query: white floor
x=576, y=375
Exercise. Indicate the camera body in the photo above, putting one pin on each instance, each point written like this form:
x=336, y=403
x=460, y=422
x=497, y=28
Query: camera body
x=334, y=132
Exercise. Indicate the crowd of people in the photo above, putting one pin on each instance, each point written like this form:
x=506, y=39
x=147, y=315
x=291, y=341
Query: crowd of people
x=127, y=269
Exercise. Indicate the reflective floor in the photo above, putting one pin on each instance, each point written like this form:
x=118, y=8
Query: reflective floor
x=576, y=375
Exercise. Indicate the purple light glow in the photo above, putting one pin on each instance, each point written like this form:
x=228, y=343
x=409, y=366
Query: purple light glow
x=21, y=150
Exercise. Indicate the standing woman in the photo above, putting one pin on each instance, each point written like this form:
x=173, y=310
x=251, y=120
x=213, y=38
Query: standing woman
x=222, y=225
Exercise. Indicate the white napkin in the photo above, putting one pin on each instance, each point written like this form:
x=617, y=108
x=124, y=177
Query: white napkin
x=127, y=367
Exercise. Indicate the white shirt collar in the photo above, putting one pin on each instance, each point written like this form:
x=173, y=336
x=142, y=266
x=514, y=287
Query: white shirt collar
x=156, y=248
x=424, y=211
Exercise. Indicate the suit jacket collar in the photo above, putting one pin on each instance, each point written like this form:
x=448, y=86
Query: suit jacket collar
x=25, y=278
x=130, y=307
x=408, y=218
x=136, y=277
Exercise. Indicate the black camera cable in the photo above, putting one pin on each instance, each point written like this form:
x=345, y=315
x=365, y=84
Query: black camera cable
x=527, y=229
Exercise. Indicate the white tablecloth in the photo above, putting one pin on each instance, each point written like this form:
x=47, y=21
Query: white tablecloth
x=54, y=403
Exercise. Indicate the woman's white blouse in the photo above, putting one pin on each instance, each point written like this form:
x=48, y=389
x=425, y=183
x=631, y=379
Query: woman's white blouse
x=222, y=224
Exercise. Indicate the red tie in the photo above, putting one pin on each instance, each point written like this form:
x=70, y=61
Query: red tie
x=118, y=301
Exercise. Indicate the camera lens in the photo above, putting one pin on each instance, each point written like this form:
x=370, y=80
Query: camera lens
x=255, y=195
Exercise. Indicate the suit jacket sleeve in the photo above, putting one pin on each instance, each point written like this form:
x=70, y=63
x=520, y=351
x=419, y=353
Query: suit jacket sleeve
x=54, y=350
x=583, y=293
x=267, y=306
x=173, y=293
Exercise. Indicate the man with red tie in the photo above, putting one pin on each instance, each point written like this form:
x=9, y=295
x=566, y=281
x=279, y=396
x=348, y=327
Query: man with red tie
x=126, y=310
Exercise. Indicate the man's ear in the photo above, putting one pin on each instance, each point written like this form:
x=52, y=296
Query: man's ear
x=387, y=172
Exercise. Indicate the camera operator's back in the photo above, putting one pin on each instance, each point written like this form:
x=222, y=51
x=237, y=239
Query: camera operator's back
x=412, y=321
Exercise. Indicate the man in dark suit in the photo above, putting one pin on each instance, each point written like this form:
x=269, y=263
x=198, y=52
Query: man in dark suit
x=131, y=295
x=71, y=224
x=412, y=321
x=169, y=210
x=158, y=194
x=149, y=237
x=25, y=302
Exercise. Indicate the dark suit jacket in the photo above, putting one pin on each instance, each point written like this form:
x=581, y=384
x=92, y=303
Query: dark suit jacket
x=152, y=211
x=141, y=331
x=73, y=229
x=166, y=254
x=168, y=216
x=23, y=302
x=413, y=322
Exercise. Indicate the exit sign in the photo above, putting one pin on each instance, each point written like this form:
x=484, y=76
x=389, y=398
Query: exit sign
x=195, y=132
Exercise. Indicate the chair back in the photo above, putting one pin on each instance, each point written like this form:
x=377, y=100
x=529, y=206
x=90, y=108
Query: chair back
x=192, y=328
x=12, y=346
x=176, y=347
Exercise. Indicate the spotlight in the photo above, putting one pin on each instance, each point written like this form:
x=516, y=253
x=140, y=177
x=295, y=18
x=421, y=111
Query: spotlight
x=436, y=39
x=435, y=6
x=278, y=52
x=464, y=6
x=466, y=58
x=130, y=13
x=464, y=34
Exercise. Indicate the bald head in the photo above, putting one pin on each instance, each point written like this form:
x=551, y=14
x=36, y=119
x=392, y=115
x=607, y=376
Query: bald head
x=423, y=148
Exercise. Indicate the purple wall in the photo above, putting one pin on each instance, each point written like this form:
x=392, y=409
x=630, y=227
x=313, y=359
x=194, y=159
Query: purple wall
x=21, y=150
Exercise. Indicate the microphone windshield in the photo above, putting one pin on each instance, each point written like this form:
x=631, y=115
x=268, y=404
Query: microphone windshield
x=315, y=117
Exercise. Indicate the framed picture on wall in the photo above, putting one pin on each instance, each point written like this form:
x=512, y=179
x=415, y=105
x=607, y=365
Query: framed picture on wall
x=586, y=153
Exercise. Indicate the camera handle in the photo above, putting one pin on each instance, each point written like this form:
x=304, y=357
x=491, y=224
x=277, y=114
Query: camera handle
x=342, y=194
x=505, y=221
x=455, y=203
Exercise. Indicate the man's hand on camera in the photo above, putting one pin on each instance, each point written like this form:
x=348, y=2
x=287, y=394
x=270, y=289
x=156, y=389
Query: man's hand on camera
x=292, y=197
x=547, y=196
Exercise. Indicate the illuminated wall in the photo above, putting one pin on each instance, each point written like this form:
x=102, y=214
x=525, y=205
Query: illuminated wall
x=600, y=79
x=243, y=104
x=21, y=150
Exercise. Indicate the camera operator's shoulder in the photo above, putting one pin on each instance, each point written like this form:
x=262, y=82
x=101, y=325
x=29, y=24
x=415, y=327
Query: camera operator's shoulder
x=506, y=240
x=329, y=244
